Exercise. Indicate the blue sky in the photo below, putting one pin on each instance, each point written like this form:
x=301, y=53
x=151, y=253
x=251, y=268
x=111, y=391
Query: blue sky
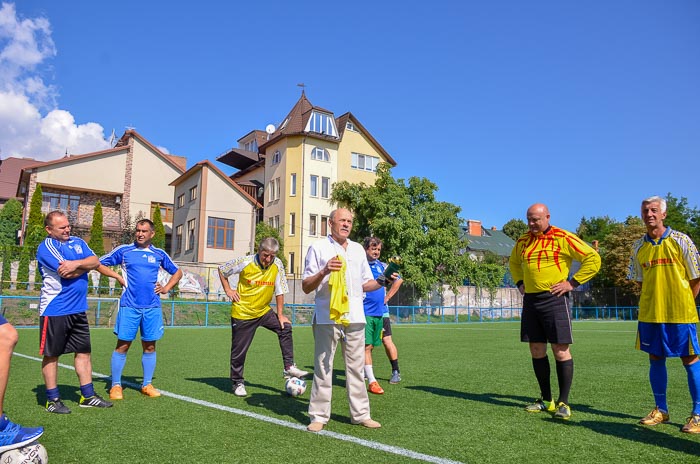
x=586, y=106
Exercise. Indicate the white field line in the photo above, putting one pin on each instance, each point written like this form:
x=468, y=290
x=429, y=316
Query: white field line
x=271, y=420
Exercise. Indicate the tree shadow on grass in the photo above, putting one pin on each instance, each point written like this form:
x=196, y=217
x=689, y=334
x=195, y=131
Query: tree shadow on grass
x=632, y=431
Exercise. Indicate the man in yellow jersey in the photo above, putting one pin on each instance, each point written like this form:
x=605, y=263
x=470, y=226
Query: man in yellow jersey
x=260, y=276
x=540, y=264
x=666, y=263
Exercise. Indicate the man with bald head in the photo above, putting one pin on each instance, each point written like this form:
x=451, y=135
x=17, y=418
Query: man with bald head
x=540, y=263
x=337, y=269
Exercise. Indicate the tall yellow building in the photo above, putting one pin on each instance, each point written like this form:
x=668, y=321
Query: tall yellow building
x=291, y=169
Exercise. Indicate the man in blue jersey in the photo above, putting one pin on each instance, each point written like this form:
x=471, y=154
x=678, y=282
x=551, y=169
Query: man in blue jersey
x=64, y=262
x=375, y=304
x=11, y=435
x=139, y=305
x=667, y=265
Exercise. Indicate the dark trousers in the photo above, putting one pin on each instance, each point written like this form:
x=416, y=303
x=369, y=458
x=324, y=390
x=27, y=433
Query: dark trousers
x=242, y=333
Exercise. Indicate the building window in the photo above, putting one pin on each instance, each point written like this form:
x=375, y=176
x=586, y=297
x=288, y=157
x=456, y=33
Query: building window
x=276, y=157
x=178, y=239
x=324, y=225
x=181, y=201
x=350, y=126
x=277, y=223
x=166, y=211
x=251, y=146
x=271, y=221
x=313, y=219
x=291, y=263
x=292, y=185
x=325, y=187
x=191, y=234
x=273, y=190
x=277, y=189
x=292, y=223
x=193, y=193
x=321, y=123
x=320, y=154
x=364, y=162
x=314, y=186
x=62, y=202
x=220, y=233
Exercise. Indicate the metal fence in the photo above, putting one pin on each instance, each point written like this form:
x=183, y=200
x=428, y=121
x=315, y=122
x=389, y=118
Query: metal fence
x=22, y=311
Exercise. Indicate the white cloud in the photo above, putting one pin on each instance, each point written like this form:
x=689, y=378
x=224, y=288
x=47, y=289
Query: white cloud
x=31, y=125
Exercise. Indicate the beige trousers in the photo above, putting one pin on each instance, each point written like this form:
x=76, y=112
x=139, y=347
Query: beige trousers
x=327, y=337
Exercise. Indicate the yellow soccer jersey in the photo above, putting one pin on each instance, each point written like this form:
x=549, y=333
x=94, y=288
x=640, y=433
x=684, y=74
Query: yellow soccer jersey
x=541, y=261
x=665, y=268
x=256, y=285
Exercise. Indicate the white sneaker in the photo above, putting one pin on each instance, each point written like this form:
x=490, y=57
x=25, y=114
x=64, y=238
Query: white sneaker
x=294, y=371
x=240, y=390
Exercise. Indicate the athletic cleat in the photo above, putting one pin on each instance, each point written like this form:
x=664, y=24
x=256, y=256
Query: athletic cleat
x=94, y=401
x=150, y=390
x=563, y=411
x=395, y=377
x=116, y=393
x=57, y=407
x=540, y=405
x=16, y=436
x=294, y=371
x=655, y=417
x=375, y=388
x=693, y=424
x=239, y=390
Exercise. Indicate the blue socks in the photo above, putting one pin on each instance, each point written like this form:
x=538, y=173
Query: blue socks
x=148, y=361
x=118, y=363
x=52, y=394
x=693, y=371
x=658, y=377
x=87, y=390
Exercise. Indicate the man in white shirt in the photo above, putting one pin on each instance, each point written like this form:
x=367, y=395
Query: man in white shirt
x=321, y=260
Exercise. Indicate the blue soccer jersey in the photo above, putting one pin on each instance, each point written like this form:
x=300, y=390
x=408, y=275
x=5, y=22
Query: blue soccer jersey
x=140, y=271
x=374, y=301
x=60, y=296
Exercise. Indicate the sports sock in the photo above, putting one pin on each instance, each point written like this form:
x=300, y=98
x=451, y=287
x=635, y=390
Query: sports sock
x=658, y=377
x=118, y=363
x=394, y=364
x=369, y=373
x=148, y=362
x=542, y=370
x=565, y=375
x=52, y=394
x=694, y=384
x=87, y=390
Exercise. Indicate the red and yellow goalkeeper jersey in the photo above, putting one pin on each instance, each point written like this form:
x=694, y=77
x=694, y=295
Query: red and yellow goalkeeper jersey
x=541, y=261
x=665, y=268
x=256, y=285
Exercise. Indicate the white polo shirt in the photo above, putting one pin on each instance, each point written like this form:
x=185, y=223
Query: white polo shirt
x=356, y=274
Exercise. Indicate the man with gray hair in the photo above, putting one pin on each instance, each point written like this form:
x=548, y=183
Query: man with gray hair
x=260, y=276
x=666, y=264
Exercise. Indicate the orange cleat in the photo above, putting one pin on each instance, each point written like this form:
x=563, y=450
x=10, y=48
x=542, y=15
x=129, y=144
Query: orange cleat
x=150, y=390
x=375, y=388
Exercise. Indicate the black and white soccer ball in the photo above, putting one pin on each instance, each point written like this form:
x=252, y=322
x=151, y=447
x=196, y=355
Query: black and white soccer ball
x=295, y=386
x=34, y=453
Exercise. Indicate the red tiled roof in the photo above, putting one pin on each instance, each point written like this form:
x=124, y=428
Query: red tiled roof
x=10, y=173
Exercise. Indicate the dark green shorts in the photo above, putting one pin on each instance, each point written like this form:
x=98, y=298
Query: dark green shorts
x=373, y=330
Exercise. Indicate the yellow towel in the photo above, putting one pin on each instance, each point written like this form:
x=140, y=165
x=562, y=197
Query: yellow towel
x=340, y=306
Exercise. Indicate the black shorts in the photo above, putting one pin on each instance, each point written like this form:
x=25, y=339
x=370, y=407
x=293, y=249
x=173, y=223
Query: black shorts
x=386, y=329
x=64, y=334
x=546, y=318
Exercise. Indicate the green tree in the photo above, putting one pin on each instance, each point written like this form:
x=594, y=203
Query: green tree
x=680, y=216
x=514, y=228
x=9, y=254
x=10, y=221
x=616, y=250
x=159, y=228
x=34, y=234
x=595, y=228
x=486, y=275
x=412, y=224
x=97, y=245
x=262, y=231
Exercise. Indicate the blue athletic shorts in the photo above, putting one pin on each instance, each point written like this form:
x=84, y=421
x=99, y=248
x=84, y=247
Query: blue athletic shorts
x=667, y=340
x=3, y=320
x=130, y=320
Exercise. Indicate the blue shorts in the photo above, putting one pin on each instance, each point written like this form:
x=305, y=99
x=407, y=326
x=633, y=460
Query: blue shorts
x=130, y=320
x=3, y=320
x=667, y=340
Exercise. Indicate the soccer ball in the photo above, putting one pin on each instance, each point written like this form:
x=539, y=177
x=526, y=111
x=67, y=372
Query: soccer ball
x=295, y=386
x=34, y=453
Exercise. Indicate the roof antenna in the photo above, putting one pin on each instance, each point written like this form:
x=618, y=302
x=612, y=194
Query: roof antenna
x=303, y=86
